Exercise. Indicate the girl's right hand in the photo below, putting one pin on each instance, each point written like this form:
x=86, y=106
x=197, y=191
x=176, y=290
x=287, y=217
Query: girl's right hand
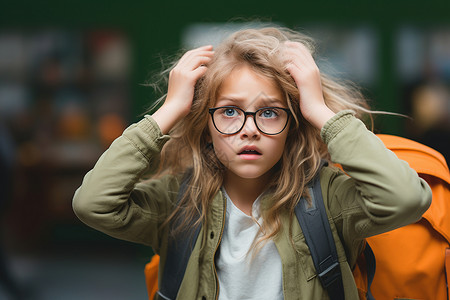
x=182, y=79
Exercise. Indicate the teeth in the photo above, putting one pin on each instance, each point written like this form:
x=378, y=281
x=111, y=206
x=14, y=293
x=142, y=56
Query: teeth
x=250, y=152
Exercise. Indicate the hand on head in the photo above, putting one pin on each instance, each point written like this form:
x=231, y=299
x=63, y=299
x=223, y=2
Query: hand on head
x=182, y=79
x=193, y=65
x=303, y=69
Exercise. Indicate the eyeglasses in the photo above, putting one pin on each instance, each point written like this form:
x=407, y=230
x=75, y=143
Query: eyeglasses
x=231, y=119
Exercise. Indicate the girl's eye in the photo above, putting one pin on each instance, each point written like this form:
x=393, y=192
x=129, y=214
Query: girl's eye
x=269, y=113
x=230, y=112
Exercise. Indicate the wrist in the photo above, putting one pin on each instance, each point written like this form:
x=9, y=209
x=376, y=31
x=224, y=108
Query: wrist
x=167, y=116
x=321, y=116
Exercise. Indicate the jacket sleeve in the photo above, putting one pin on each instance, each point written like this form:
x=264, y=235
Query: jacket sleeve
x=110, y=198
x=381, y=192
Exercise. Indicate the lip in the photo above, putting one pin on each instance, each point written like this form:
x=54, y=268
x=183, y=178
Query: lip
x=249, y=152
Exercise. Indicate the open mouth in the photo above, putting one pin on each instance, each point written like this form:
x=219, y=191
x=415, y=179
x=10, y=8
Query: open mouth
x=254, y=152
x=250, y=152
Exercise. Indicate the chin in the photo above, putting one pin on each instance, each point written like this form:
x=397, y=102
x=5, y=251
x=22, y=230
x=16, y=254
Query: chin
x=250, y=173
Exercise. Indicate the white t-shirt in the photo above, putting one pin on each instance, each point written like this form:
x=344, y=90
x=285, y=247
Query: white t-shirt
x=240, y=277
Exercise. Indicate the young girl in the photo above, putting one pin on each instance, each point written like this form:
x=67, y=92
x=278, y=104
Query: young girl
x=250, y=121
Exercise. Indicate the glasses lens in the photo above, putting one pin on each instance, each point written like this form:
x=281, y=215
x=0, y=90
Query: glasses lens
x=228, y=120
x=271, y=120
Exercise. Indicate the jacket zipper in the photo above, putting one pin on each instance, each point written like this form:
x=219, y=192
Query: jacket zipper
x=217, y=246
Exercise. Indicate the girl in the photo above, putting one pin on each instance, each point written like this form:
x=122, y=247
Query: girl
x=251, y=122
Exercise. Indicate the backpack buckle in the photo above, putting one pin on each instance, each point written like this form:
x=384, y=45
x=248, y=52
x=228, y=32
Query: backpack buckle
x=330, y=275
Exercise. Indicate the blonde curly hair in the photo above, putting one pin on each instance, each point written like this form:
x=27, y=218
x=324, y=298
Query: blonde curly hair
x=189, y=146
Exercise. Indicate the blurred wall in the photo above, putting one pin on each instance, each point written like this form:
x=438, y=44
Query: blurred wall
x=72, y=74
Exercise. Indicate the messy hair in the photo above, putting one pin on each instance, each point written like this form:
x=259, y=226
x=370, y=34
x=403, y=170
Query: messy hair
x=189, y=147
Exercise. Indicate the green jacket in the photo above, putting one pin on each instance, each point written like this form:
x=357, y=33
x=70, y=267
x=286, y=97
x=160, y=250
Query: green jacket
x=383, y=193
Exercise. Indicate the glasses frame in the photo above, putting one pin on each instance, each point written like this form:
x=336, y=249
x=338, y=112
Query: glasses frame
x=249, y=113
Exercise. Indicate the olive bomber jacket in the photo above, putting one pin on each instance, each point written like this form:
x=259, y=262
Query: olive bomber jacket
x=381, y=194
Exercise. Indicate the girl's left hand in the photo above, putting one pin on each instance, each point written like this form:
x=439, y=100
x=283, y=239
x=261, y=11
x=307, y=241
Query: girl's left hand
x=306, y=74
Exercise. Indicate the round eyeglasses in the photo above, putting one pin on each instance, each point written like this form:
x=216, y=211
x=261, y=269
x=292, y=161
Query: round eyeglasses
x=231, y=119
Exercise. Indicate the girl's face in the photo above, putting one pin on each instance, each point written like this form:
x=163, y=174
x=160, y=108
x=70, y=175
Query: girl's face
x=249, y=153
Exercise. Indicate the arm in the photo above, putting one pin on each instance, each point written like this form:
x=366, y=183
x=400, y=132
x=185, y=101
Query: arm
x=110, y=198
x=382, y=190
x=108, y=201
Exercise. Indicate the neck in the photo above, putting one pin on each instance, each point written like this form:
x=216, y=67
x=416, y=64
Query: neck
x=243, y=191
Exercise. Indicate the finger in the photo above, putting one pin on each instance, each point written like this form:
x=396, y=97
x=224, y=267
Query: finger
x=299, y=55
x=200, y=71
x=304, y=65
x=204, y=47
x=189, y=71
x=191, y=58
x=195, y=62
x=203, y=59
x=200, y=61
x=192, y=52
x=294, y=71
x=295, y=49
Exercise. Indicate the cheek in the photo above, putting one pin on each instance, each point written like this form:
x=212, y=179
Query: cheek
x=219, y=143
x=278, y=153
x=281, y=144
x=222, y=149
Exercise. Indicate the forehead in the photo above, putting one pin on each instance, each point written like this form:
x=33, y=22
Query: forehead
x=246, y=87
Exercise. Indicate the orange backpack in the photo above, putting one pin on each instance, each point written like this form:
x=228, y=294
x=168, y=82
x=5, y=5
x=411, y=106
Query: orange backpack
x=412, y=261
x=151, y=276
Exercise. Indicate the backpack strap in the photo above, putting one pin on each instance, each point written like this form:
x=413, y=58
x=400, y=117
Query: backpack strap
x=371, y=266
x=178, y=252
x=313, y=220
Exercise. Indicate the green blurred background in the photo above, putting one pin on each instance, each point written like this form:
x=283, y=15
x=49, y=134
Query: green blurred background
x=72, y=77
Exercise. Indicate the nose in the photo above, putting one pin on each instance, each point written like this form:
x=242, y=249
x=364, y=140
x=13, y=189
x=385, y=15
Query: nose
x=249, y=129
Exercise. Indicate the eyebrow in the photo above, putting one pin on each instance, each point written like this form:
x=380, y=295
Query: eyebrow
x=236, y=100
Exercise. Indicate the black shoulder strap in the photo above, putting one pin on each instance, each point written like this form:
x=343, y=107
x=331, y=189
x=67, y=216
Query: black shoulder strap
x=313, y=220
x=178, y=253
x=371, y=267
